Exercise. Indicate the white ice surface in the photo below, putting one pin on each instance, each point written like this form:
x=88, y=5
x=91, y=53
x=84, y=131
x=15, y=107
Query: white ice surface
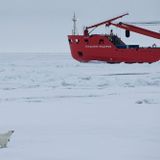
x=61, y=109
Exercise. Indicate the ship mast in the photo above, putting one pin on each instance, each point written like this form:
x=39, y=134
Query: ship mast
x=74, y=19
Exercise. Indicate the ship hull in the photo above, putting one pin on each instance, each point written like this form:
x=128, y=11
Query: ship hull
x=99, y=47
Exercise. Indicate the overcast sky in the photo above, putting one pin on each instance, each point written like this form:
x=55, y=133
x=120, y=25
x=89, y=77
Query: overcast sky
x=43, y=25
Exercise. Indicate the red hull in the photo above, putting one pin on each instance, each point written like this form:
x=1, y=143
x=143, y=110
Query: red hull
x=100, y=47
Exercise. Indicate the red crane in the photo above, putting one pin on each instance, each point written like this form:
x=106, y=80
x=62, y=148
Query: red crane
x=137, y=30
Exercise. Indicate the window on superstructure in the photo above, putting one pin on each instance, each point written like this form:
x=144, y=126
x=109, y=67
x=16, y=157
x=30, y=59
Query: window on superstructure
x=70, y=40
x=86, y=41
x=101, y=41
x=77, y=41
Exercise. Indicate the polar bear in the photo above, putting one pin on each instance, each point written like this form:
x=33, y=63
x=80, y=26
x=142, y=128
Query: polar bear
x=5, y=138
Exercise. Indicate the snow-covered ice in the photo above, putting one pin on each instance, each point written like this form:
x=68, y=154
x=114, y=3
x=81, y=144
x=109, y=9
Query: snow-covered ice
x=62, y=109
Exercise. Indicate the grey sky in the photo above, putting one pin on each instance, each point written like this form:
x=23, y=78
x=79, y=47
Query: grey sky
x=43, y=25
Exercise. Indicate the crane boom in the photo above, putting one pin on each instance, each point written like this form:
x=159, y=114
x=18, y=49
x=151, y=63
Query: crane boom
x=106, y=22
x=137, y=30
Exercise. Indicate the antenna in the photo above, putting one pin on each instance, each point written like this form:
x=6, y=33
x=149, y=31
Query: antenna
x=74, y=19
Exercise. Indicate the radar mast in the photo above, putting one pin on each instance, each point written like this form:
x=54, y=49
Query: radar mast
x=74, y=19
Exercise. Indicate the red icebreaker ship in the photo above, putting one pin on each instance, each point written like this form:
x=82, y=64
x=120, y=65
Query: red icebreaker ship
x=109, y=47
